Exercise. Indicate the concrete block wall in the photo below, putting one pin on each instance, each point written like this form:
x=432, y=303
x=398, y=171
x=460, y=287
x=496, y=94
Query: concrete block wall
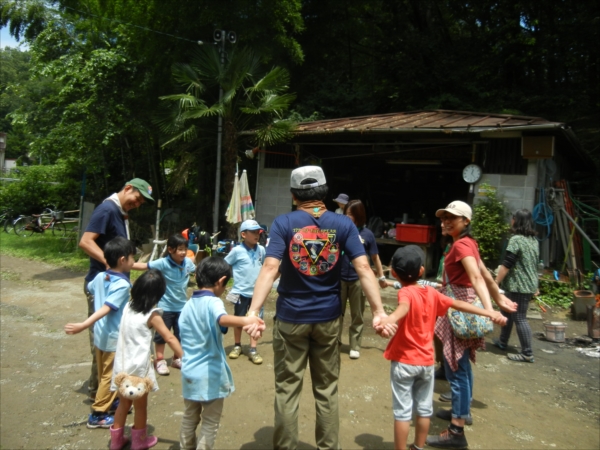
x=274, y=197
x=516, y=191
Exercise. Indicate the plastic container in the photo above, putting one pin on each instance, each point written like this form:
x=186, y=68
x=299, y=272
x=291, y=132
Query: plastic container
x=419, y=234
x=555, y=331
x=582, y=299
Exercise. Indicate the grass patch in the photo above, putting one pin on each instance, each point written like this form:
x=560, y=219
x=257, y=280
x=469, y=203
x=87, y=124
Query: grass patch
x=45, y=248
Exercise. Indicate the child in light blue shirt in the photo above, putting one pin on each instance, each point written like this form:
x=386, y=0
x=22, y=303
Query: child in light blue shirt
x=205, y=376
x=111, y=294
x=246, y=260
x=176, y=270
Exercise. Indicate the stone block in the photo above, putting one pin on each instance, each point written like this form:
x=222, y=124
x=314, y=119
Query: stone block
x=512, y=180
x=511, y=193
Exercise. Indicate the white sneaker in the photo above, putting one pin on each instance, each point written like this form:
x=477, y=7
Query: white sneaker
x=162, y=368
x=354, y=354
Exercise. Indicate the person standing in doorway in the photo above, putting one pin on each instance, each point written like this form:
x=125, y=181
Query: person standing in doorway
x=342, y=201
x=108, y=221
x=352, y=291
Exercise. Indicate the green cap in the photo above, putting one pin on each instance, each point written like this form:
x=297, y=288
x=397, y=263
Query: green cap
x=142, y=186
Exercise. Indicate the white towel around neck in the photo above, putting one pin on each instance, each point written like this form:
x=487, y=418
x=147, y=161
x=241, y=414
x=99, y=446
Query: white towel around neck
x=115, y=198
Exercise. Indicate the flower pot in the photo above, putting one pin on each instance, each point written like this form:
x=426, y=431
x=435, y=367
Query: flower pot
x=581, y=299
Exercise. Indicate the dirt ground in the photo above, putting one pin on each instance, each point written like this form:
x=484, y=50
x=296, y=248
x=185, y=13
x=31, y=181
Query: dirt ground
x=551, y=404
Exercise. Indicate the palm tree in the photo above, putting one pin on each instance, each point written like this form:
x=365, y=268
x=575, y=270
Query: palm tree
x=252, y=99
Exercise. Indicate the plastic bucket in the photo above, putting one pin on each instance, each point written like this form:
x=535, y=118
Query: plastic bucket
x=555, y=331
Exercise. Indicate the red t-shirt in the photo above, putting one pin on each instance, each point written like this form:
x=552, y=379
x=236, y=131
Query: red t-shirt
x=453, y=263
x=413, y=342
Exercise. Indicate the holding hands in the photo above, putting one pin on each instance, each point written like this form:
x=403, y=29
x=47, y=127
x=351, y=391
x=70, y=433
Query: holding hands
x=254, y=326
x=384, y=325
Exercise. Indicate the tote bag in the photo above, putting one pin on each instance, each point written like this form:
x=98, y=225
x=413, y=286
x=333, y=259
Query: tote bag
x=465, y=325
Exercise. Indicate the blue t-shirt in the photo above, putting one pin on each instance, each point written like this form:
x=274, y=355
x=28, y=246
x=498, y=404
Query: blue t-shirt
x=310, y=251
x=112, y=289
x=109, y=223
x=205, y=374
x=368, y=239
x=176, y=277
x=246, y=264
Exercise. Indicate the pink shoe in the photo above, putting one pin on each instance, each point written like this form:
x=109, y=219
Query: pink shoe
x=141, y=441
x=176, y=363
x=117, y=440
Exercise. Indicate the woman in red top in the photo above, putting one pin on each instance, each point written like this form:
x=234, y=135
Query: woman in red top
x=462, y=276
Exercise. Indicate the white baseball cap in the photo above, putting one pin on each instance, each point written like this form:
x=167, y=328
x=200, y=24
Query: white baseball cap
x=457, y=208
x=307, y=173
x=250, y=225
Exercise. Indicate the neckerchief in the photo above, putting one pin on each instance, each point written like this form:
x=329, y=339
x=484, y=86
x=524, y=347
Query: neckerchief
x=115, y=199
x=312, y=207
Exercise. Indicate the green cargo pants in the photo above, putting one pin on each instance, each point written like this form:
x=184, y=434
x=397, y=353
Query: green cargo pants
x=294, y=345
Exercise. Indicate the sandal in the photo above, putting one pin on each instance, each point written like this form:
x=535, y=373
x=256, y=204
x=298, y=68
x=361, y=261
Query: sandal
x=520, y=357
x=499, y=344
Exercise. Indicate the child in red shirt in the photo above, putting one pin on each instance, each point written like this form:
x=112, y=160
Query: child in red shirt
x=411, y=348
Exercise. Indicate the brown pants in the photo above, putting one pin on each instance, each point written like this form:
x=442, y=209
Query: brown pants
x=93, y=381
x=104, y=396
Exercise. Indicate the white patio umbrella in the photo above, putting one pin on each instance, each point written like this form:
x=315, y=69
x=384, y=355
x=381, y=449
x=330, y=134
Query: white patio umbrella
x=246, y=206
x=233, y=213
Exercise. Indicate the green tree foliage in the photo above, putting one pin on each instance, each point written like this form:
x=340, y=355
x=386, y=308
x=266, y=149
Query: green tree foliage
x=489, y=225
x=253, y=98
x=39, y=186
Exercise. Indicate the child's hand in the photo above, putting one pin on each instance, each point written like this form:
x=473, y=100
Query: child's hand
x=256, y=328
x=498, y=318
x=384, y=326
x=74, y=328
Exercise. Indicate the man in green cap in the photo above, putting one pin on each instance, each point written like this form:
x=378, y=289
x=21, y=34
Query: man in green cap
x=108, y=221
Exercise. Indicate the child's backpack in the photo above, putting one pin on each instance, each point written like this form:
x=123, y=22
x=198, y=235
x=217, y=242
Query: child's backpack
x=203, y=240
x=375, y=224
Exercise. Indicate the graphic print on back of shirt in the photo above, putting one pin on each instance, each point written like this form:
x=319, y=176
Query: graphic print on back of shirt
x=313, y=251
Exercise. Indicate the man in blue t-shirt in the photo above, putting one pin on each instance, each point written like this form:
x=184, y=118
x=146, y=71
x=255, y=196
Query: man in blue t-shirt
x=306, y=246
x=108, y=221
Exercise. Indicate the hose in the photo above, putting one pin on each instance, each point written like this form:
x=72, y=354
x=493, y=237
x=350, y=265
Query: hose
x=542, y=215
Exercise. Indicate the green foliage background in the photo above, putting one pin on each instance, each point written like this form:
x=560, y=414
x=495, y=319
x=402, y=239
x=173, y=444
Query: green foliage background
x=87, y=92
x=490, y=225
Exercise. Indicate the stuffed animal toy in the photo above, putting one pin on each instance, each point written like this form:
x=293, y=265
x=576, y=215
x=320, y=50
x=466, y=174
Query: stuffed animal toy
x=133, y=387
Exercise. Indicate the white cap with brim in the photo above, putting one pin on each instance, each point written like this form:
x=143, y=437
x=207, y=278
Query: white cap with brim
x=457, y=208
x=307, y=173
x=250, y=225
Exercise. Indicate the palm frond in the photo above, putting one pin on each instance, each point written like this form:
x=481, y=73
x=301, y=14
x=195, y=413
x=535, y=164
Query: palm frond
x=271, y=103
x=277, y=80
x=186, y=76
x=188, y=134
x=202, y=111
x=185, y=101
x=274, y=133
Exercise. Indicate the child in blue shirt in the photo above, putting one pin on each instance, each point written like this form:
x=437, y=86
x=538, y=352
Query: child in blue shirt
x=246, y=260
x=205, y=376
x=176, y=270
x=111, y=293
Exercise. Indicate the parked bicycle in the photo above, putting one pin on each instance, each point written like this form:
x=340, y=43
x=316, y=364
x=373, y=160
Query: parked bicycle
x=27, y=225
x=7, y=218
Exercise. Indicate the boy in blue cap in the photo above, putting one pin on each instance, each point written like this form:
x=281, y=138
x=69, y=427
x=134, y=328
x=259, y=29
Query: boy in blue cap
x=246, y=260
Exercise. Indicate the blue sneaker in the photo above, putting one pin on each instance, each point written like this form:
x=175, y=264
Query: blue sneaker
x=100, y=420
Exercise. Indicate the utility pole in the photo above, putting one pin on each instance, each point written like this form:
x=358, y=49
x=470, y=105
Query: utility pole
x=220, y=36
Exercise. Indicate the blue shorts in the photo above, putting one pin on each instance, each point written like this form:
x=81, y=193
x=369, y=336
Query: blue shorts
x=241, y=308
x=411, y=385
x=171, y=320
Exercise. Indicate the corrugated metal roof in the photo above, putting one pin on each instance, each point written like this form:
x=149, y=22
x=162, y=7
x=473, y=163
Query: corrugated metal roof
x=435, y=120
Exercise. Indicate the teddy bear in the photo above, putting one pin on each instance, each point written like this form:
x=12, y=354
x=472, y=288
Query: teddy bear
x=132, y=387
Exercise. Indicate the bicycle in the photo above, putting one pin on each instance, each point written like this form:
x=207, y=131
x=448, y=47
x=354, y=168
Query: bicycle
x=27, y=225
x=7, y=218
